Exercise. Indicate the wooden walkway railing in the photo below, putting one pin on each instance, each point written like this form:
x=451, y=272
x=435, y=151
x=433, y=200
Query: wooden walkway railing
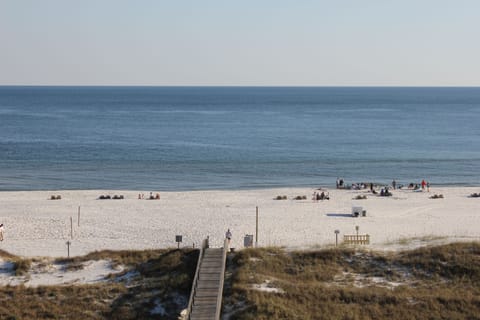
x=207, y=289
x=356, y=239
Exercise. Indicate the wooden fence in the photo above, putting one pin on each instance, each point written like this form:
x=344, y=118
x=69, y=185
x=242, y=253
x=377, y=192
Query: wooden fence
x=356, y=239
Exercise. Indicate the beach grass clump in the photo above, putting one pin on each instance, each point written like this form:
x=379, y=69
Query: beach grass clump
x=456, y=262
x=429, y=283
x=59, y=302
x=281, y=198
x=437, y=196
x=6, y=255
x=21, y=266
x=475, y=195
x=121, y=257
x=162, y=277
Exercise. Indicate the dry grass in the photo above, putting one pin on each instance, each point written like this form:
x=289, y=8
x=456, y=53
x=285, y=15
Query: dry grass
x=158, y=277
x=440, y=282
x=430, y=283
x=21, y=266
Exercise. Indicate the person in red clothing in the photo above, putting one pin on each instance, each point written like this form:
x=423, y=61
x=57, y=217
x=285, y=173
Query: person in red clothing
x=423, y=184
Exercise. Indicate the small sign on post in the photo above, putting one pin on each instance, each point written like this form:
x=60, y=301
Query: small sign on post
x=178, y=239
x=248, y=241
x=336, y=237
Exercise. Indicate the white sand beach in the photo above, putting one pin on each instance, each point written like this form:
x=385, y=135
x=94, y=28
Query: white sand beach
x=36, y=226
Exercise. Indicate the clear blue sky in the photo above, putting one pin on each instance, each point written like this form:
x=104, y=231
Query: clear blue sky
x=247, y=42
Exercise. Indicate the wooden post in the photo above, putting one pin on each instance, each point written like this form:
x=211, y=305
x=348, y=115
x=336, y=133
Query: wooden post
x=68, y=248
x=256, y=230
x=71, y=227
x=78, y=216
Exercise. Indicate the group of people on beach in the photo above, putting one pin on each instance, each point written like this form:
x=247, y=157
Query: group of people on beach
x=320, y=196
x=423, y=185
x=340, y=184
x=150, y=197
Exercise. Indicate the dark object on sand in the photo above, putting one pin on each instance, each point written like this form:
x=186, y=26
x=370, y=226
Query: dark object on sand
x=281, y=198
x=475, y=195
x=117, y=197
x=385, y=193
x=300, y=198
x=437, y=196
x=53, y=197
x=360, y=197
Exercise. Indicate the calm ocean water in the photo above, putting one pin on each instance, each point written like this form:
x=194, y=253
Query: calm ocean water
x=186, y=138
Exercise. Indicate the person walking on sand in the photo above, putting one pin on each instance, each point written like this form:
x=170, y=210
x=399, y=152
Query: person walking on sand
x=2, y=228
x=228, y=235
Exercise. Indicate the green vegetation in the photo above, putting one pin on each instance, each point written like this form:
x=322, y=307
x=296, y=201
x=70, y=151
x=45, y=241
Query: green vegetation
x=151, y=278
x=428, y=283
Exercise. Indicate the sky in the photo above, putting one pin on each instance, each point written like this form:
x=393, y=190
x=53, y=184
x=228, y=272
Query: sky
x=240, y=43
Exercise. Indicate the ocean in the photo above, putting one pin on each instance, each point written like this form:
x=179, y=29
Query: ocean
x=198, y=138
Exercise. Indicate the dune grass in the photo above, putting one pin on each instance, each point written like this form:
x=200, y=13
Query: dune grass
x=151, y=278
x=441, y=282
x=429, y=283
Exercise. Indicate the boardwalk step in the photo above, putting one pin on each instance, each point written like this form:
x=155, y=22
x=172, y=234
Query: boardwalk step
x=208, y=285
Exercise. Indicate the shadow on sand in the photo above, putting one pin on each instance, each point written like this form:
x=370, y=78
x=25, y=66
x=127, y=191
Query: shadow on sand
x=339, y=215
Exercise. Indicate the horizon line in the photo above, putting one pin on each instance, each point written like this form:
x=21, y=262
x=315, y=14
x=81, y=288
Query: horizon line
x=237, y=86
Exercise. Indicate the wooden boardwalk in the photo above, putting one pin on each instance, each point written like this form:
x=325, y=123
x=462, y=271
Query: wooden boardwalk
x=207, y=290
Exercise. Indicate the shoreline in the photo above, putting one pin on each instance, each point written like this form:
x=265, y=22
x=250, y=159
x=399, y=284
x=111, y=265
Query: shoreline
x=252, y=188
x=37, y=226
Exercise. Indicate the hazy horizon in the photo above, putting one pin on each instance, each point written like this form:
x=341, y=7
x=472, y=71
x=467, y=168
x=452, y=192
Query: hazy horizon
x=213, y=43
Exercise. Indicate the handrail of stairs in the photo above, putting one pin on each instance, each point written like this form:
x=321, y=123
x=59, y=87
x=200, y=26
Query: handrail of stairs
x=220, y=290
x=195, y=278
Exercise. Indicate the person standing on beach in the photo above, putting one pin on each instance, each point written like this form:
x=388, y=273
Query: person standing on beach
x=423, y=184
x=2, y=228
x=394, y=184
x=228, y=235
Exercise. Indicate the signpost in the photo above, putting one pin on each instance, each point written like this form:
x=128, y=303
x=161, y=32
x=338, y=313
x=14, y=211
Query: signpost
x=68, y=248
x=336, y=237
x=178, y=239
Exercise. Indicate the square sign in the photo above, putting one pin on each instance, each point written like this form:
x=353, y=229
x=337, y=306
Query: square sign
x=178, y=238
